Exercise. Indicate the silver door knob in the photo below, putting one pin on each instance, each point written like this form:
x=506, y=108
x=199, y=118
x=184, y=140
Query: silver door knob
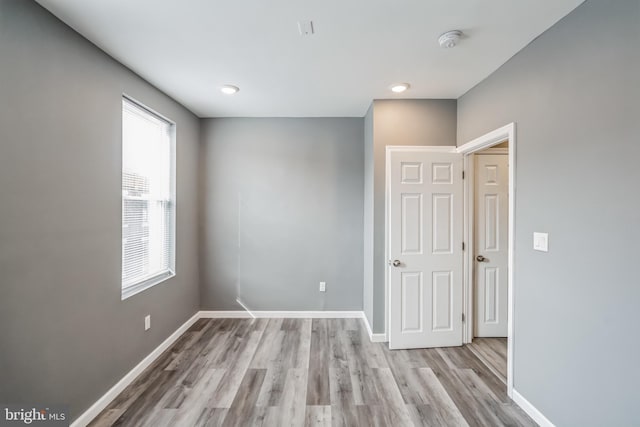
x=395, y=263
x=480, y=258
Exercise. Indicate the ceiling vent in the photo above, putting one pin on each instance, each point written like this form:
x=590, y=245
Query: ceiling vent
x=450, y=39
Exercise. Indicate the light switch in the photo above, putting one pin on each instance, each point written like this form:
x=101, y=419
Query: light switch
x=305, y=28
x=541, y=242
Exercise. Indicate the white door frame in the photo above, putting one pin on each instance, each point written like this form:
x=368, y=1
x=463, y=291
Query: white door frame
x=490, y=139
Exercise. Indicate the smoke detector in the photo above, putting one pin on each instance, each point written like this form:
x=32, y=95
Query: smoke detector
x=449, y=39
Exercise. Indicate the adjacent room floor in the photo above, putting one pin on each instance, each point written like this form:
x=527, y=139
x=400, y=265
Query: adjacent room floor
x=275, y=372
x=493, y=352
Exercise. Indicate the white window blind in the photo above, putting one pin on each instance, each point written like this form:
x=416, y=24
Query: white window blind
x=148, y=204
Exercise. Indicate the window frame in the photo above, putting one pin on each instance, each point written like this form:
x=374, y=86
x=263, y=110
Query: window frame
x=144, y=284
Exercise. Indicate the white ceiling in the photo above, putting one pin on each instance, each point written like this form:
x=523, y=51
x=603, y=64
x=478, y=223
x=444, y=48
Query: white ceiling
x=190, y=48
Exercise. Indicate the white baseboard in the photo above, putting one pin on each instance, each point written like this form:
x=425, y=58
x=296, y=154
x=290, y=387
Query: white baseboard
x=378, y=338
x=373, y=337
x=240, y=314
x=284, y=314
x=88, y=415
x=113, y=392
x=531, y=410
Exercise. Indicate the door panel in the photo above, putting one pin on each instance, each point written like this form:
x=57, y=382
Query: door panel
x=412, y=300
x=425, y=236
x=442, y=230
x=412, y=218
x=491, y=295
x=491, y=242
x=442, y=301
x=491, y=218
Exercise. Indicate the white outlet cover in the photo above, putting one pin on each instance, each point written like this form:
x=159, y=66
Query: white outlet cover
x=323, y=286
x=541, y=242
x=147, y=322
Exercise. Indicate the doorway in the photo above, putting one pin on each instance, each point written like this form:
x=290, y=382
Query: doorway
x=489, y=219
x=488, y=302
x=429, y=244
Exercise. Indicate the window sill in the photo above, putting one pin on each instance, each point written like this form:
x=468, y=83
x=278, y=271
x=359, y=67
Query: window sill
x=132, y=290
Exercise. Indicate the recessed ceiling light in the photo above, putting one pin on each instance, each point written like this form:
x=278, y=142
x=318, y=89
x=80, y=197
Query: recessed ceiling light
x=399, y=87
x=229, y=89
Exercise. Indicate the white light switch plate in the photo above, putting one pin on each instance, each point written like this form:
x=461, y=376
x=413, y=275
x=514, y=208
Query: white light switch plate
x=541, y=242
x=305, y=28
x=147, y=322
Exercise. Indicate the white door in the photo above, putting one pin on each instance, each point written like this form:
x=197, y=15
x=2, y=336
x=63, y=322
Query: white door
x=425, y=208
x=491, y=244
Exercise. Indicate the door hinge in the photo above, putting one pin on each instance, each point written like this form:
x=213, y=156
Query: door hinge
x=462, y=174
x=463, y=246
x=462, y=317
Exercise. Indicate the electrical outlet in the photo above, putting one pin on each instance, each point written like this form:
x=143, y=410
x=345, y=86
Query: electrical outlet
x=147, y=322
x=323, y=286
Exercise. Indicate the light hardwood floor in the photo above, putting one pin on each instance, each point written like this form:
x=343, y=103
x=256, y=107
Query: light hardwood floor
x=304, y=372
x=493, y=352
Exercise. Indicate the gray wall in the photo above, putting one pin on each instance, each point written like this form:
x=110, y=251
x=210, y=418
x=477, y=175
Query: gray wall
x=574, y=95
x=367, y=290
x=65, y=334
x=282, y=211
x=401, y=122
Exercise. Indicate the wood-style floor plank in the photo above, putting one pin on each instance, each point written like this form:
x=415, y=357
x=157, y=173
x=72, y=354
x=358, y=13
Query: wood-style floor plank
x=318, y=416
x=318, y=378
x=310, y=372
x=493, y=353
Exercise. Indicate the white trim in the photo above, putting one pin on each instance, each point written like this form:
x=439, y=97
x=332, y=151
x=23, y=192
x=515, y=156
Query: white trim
x=95, y=409
x=467, y=259
x=373, y=337
x=387, y=191
x=387, y=272
x=531, y=410
x=223, y=314
x=146, y=107
x=490, y=139
x=378, y=338
x=282, y=314
x=507, y=132
x=427, y=148
x=493, y=150
x=136, y=288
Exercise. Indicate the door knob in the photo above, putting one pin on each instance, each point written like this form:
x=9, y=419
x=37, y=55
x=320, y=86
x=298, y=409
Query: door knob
x=480, y=258
x=395, y=263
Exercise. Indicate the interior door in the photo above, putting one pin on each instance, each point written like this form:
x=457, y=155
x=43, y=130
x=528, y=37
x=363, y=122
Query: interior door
x=491, y=244
x=425, y=211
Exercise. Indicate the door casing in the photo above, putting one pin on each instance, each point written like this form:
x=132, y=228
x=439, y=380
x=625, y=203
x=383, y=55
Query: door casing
x=495, y=137
x=505, y=133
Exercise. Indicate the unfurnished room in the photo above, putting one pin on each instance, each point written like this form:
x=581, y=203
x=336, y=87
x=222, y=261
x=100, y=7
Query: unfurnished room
x=319, y=213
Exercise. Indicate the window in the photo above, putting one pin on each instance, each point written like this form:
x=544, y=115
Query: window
x=148, y=201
